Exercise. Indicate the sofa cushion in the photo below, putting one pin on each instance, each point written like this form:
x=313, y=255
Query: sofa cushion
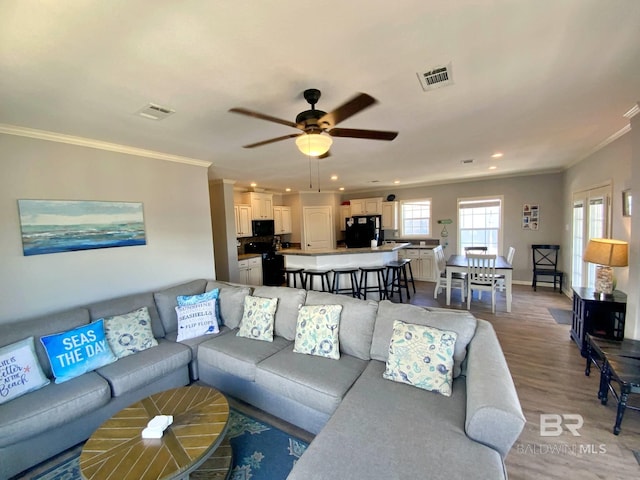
x=463, y=323
x=138, y=370
x=166, y=301
x=421, y=356
x=289, y=301
x=193, y=343
x=129, y=333
x=197, y=319
x=20, y=371
x=317, y=331
x=44, y=325
x=78, y=351
x=231, y=301
x=319, y=383
x=357, y=320
x=258, y=318
x=129, y=303
x=238, y=355
x=373, y=433
x=51, y=407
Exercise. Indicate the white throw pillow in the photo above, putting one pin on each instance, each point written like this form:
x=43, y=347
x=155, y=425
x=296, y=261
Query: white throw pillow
x=20, y=371
x=197, y=319
x=317, y=331
x=421, y=356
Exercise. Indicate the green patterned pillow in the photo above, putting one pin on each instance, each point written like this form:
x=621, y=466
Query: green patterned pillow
x=258, y=318
x=129, y=333
x=421, y=356
x=317, y=331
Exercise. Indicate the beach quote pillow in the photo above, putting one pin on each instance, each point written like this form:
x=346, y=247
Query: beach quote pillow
x=197, y=319
x=78, y=351
x=20, y=371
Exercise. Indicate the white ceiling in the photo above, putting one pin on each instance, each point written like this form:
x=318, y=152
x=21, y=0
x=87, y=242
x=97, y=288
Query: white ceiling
x=544, y=81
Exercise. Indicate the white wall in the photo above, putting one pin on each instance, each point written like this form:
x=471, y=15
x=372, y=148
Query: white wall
x=176, y=213
x=544, y=190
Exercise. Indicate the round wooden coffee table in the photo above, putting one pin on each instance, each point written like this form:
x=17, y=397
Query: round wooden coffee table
x=200, y=418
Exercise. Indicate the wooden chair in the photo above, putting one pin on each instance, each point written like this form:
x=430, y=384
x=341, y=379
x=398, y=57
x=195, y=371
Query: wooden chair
x=481, y=276
x=545, y=264
x=511, y=253
x=475, y=250
x=458, y=280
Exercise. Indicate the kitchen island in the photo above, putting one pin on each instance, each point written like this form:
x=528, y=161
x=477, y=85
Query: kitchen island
x=341, y=257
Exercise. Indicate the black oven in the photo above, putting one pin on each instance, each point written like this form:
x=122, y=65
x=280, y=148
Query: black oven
x=272, y=263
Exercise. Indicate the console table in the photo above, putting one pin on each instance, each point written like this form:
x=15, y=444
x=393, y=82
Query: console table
x=595, y=316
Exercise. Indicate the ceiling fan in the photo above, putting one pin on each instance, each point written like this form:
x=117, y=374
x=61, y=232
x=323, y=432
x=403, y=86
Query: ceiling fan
x=318, y=127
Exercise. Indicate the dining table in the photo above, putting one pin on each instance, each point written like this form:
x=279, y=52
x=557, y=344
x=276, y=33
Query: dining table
x=458, y=264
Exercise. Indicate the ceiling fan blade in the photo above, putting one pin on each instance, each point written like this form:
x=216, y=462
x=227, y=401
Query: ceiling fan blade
x=357, y=133
x=346, y=110
x=272, y=140
x=262, y=116
x=324, y=155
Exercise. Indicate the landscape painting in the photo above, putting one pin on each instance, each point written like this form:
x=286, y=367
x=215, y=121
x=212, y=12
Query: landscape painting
x=53, y=226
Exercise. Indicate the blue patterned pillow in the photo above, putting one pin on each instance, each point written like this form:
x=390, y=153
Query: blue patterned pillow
x=184, y=300
x=258, y=318
x=20, y=371
x=317, y=331
x=78, y=351
x=421, y=356
x=129, y=333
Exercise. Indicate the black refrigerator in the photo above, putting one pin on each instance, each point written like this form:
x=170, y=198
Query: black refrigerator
x=360, y=230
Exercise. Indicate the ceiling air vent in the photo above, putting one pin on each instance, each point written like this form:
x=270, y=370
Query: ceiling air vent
x=155, y=112
x=467, y=162
x=436, y=77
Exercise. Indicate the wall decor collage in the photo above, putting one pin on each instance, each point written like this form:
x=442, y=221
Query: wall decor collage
x=530, y=216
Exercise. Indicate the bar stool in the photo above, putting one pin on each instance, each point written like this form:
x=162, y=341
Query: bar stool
x=408, y=262
x=294, y=273
x=353, y=278
x=398, y=271
x=309, y=276
x=380, y=288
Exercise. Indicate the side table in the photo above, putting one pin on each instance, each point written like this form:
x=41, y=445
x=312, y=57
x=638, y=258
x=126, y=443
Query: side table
x=626, y=373
x=594, y=316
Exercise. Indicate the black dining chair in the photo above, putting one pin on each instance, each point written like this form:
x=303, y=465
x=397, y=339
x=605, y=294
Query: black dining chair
x=545, y=264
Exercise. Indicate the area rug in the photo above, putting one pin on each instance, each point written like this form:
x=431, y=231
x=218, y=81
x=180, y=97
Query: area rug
x=561, y=315
x=260, y=452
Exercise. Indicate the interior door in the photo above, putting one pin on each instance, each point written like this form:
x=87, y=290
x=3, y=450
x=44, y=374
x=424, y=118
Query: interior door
x=317, y=232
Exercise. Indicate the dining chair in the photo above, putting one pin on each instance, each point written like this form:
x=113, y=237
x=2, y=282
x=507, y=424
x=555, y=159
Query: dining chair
x=510, y=254
x=545, y=264
x=475, y=249
x=481, y=276
x=458, y=280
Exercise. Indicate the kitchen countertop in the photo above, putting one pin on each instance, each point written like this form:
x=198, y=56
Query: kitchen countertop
x=245, y=256
x=389, y=247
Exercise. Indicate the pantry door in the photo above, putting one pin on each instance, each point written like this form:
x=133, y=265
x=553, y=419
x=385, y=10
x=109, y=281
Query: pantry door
x=317, y=232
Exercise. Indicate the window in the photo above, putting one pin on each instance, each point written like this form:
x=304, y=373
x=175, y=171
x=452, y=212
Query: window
x=415, y=218
x=480, y=223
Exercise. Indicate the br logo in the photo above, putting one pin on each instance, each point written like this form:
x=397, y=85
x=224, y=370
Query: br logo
x=551, y=424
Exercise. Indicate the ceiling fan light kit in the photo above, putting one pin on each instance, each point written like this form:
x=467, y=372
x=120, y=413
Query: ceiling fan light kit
x=314, y=144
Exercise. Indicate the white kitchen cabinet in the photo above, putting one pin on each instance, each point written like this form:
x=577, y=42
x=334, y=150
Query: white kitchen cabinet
x=366, y=206
x=345, y=212
x=421, y=263
x=389, y=215
x=261, y=205
x=282, y=219
x=243, y=220
x=251, y=271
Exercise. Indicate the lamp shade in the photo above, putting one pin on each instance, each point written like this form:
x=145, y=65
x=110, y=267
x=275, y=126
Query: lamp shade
x=314, y=144
x=606, y=251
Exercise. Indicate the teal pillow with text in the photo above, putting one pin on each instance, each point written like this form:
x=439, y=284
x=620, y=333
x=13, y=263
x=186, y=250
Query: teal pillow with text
x=78, y=351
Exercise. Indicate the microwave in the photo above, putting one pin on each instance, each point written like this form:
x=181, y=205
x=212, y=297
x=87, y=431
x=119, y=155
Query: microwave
x=262, y=228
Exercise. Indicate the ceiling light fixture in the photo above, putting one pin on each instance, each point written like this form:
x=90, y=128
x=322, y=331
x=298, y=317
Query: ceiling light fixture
x=492, y=167
x=314, y=144
x=334, y=177
x=341, y=189
x=497, y=155
x=254, y=184
x=287, y=189
x=396, y=182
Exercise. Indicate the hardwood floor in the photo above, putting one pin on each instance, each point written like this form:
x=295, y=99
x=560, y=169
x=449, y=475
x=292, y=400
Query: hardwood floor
x=548, y=372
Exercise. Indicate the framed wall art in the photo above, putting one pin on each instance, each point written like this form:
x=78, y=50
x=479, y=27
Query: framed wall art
x=626, y=203
x=530, y=216
x=53, y=226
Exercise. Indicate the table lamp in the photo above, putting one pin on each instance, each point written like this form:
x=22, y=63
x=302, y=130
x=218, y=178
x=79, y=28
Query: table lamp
x=606, y=253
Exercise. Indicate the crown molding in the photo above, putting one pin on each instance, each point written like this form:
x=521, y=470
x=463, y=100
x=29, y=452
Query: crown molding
x=98, y=144
x=633, y=111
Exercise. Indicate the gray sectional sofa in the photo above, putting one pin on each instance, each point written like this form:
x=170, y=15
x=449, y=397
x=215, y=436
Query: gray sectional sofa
x=366, y=426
